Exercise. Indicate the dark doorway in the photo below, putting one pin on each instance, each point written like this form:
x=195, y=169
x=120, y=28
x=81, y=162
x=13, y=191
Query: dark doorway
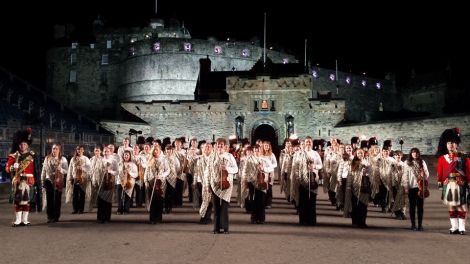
x=266, y=132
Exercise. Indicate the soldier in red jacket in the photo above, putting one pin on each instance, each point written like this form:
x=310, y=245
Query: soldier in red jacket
x=453, y=176
x=21, y=165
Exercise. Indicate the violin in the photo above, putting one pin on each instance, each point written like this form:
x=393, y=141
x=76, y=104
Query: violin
x=423, y=191
x=224, y=183
x=260, y=180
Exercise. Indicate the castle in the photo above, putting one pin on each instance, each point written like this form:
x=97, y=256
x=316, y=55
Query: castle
x=165, y=78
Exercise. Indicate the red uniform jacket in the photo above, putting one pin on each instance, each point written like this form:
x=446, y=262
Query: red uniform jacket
x=28, y=171
x=447, y=164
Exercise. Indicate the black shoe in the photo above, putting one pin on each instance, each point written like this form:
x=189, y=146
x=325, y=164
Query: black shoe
x=50, y=221
x=455, y=232
x=413, y=228
x=253, y=222
x=80, y=212
x=74, y=212
x=420, y=228
x=152, y=222
x=462, y=232
x=15, y=225
x=226, y=232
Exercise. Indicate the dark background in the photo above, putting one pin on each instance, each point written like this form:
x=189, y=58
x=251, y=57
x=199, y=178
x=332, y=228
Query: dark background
x=376, y=39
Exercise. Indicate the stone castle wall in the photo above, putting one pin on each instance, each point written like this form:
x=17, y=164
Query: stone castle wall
x=423, y=133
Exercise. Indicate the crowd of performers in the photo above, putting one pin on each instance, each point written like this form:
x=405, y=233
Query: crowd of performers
x=155, y=174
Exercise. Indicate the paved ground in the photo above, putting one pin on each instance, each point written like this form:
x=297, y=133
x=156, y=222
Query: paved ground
x=128, y=239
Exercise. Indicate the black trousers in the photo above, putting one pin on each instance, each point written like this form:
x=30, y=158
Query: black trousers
x=343, y=191
x=307, y=207
x=415, y=201
x=169, y=197
x=156, y=208
x=139, y=192
x=358, y=212
x=124, y=202
x=220, y=213
x=258, y=212
x=332, y=197
x=269, y=195
x=189, y=180
x=179, y=193
x=249, y=201
x=54, y=198
x=199, y=190
x=104, y=210
x=381, y=197
x=207, y=217
x=78, y=201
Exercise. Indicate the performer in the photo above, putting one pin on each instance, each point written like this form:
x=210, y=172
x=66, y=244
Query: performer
x=398, y=185
x=416, y=172
x=21, y=165
x=453, y=176
x=104, y=174
x=344, y=169
x=155, y=184
x=269, y=164
x=192, y=153
x=141, y=161
x=221, y=173
x=52, y=177
x=125, y=182
x=78, y=188
x=181, y=170
x=174, y=165
x=285, y=161
x=256, y=177
x=305, y=166
x=204, y=169
x=358, y=190
x=125, y=146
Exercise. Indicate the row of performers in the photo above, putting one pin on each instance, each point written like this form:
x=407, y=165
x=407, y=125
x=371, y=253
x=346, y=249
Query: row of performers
x=353, y=177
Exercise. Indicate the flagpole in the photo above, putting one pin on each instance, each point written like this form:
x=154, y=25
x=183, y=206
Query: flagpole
x=305, y=54
x=264, y=40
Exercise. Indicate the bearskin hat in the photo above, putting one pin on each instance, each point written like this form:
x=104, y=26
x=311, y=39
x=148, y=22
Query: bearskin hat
x=140, y=140
x=149, y=140
x=21, y=136
x=373, y=141
x=364, y=144
x=387, y=144
x=449, y=135
x=354, y=140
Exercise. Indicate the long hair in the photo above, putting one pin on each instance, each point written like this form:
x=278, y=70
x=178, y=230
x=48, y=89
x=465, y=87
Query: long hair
x=356, y=162
x=269, y=151
x=60, y=150
x=419, y=159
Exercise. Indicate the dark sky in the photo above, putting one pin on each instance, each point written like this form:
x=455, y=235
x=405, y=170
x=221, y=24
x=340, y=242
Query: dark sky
x=392, y=37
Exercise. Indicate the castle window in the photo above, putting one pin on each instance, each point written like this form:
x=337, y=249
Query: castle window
x=133, y=39
x=256, y=106
x=92, y=45
x=315, y=74
x=332, y=77
x=104, y=59
x=264, y=105
x=378, y=85
x=73, y=58
x=218, y=50
x=187, y=47
x=73, y=76
x=245, y=53
x=148, y=35
x=156, y=47
x=348, y=80
x=363, y=83
x=108, y=44
x=131, y=51
x=273, y=108
x=285, y=61
x=74, y=45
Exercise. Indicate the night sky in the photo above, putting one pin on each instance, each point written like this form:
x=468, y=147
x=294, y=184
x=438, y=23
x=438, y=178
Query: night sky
x=393, y=37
